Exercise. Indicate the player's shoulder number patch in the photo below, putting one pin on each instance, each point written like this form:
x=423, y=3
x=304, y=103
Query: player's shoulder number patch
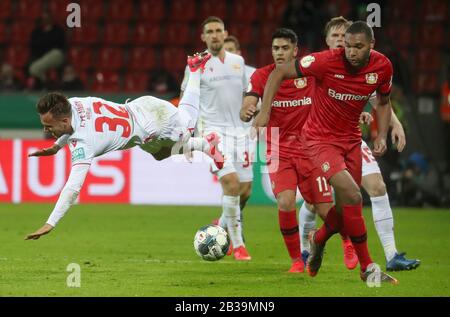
x=307, y=61
x=78, y=154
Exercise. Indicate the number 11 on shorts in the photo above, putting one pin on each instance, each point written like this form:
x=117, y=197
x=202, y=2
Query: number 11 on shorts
x=321, y=180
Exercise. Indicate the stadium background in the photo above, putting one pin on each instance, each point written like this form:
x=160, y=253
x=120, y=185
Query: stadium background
x=128, y=48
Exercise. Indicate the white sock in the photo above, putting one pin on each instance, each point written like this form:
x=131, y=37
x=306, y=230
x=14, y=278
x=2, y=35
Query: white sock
x=190, y=102
x=198, y=144
x=384, y=223
x=232, y=215
x=306, y=223
x=223, y=222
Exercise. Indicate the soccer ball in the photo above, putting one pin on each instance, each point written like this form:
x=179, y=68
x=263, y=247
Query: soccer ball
x=211, y=242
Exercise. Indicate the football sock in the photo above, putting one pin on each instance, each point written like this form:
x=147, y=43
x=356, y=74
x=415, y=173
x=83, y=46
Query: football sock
x=289, y=230
x=355, y=227
x=343, y=235
x=198, y=144
x=332, y=225
x=307, y=222
x=190, y=102
x=384, y=223
x=231, y=213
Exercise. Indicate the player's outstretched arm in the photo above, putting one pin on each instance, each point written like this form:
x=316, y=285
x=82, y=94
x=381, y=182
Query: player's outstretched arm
x=384, y=112
x=249, y=108
x=47, y=151
x=59, y=144
x=66, y=199
x=281, y=72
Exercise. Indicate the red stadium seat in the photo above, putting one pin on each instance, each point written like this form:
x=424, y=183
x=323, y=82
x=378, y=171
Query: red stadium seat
x=151, y=11
x=177, y=34
x=28, y=9
x=110, y=58
x=80, y=57
x=5, y=9
x=86, y=35
x=402, y=10
x=216, y=8
x=84, y=77
x=400, y=34
x=16, y=56
x=426, y=83
x=21, y=32
x=115, y=34
x=121, y=10
x=58, y=10
x=182, y=10
x=428, y=59
x=146, y=34
x=3, y=37
x=174, y=59
x=431, y=35
x=244, y=11
x=243, y=32
x=263, y=57
x=141, y=58
x=265, y=34
x=273, y=10
x=105, y=81
x=91, y=10
x=434, y=10
x=136, y=82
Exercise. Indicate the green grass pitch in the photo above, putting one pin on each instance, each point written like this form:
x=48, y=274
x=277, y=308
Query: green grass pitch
x=128, y=250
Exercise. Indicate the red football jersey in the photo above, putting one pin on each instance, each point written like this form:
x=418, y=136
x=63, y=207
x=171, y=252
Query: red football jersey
x=290, y=108
x=341, y=93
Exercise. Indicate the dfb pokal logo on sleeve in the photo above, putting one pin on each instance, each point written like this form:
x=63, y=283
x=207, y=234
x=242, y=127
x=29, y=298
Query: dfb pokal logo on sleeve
x=307, y=61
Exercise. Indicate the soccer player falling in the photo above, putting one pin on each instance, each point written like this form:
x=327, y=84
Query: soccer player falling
x=93, y=126
x=222, y=87
x=331, y=138
x=372, y=182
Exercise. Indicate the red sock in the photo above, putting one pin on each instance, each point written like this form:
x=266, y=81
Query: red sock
x=289, y=230
x=332, y=224
x=344, y=236
x=356, y=229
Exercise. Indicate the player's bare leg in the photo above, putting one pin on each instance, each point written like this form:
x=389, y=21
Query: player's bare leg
x=384, y=223
x=347, y=214
x=287, y=217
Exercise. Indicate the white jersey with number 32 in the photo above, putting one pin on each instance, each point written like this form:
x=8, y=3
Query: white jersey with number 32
x=100, y=126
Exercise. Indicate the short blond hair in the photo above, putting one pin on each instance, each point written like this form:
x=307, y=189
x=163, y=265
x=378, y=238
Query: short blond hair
x=336, y=22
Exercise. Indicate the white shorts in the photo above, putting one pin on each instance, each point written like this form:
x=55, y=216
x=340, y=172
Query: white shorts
x=369, y=163
x=239, y=151
x=159, y=122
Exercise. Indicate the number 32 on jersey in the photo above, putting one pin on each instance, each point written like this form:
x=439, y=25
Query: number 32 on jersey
x=113, y=117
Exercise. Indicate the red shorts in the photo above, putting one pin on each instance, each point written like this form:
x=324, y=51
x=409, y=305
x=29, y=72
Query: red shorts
x=284, y=174
x=320, y=161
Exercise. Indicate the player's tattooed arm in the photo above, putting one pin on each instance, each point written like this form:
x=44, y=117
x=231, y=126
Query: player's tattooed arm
x=280, y=73
x=249, y=108
x=384, y=112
